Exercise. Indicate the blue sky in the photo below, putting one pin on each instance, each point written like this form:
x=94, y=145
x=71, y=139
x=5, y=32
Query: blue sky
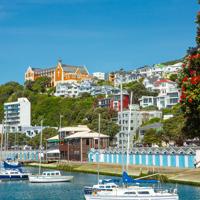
x=104, y=35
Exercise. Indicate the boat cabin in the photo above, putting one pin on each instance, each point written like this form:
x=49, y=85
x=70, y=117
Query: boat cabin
x=51, y=173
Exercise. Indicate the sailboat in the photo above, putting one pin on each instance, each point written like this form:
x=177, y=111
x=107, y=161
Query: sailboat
x=111, y=191
x=48, y=176
x=10, y=170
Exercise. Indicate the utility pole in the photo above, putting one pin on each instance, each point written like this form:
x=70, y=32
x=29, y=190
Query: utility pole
x=60, y=132
x=129, y=130
x=41, y=147
x=99, y=130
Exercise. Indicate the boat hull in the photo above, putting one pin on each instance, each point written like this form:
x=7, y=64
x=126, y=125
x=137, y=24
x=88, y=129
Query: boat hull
x=42, y=179
x=93, y=197
x=13, y=177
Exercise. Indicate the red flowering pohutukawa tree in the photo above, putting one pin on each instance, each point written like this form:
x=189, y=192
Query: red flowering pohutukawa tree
x=189, y=81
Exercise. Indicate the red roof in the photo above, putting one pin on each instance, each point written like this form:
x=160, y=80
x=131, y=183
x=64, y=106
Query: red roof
x=163, y=81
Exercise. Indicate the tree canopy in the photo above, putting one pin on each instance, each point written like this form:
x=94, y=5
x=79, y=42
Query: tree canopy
x=189, y=82
x=138, y=90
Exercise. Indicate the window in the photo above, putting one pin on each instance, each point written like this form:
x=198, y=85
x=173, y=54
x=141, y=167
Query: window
x=129, y=193
x=87, y=141
x=143, y=192
x=96, y=141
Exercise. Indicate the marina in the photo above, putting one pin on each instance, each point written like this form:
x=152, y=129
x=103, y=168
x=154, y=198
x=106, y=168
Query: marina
x=71, y=190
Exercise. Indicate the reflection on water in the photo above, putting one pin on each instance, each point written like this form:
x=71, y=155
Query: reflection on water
x=69, y=191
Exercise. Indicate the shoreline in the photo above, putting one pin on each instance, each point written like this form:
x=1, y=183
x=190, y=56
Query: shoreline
x=170, y=175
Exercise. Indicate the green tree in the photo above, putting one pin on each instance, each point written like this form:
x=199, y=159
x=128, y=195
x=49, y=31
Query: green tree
x=41, y=84
x=152, y=137
x=173, y=77
x=152, y=121
x=46, y=134
x=189, y=82
x=108, y=127
x=138, y=90
x=172, y=129
x=29, y=85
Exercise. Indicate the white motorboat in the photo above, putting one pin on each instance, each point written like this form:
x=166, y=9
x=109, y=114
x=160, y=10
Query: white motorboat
x=112, y=192
x=13, y=174
x=49, y=177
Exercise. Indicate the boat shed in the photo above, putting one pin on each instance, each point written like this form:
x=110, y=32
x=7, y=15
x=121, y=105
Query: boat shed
x=77, y=146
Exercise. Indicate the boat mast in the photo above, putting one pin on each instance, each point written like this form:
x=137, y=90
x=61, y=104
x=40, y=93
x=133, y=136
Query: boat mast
x=40, y=147
x=2, y=133
x=122, y=134
x=129, y=130
x=99, y=129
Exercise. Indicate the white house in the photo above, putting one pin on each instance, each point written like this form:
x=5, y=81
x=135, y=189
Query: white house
x=172, y=69
x=67, y=89
x=17, y=115
x=168, y=96
x=99, y=75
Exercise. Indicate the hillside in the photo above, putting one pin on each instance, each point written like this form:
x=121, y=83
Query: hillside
x=44, y=106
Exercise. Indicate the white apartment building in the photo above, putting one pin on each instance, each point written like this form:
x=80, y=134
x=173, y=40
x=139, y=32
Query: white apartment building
x=99, y=75
x=137, y=118
x=123, y=122
x=17, y=115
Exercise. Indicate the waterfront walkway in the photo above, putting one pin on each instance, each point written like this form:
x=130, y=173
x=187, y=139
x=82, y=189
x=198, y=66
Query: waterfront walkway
x=187, y=176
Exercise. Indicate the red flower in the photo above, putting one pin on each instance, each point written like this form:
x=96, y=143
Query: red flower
x=183, y=65
x=190, y=100
x=183, y=88
x=183, y=96
x=194, y=80
x=185, y=79
x=192, y=72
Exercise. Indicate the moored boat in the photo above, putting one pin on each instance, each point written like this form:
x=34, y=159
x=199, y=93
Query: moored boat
x=9, y=164
x=130, y=193
x=10, y=174
x=49, y=177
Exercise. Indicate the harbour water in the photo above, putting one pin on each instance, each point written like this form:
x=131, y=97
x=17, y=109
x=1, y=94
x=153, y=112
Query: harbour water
x=69, y=191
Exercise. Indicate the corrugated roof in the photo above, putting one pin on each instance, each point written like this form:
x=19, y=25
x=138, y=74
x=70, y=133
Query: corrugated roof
x=74, y=128
x=152, y=126
x=53, y=138
x=87, y=134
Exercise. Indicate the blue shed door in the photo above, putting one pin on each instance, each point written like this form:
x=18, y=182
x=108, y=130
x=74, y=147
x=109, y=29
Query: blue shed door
x=137, y=159
x=125, y=159
x=165, y=164
x=110, y=158
x=173, y=160
x=120, y=158
x=115, y=158
x=37, y=155
x=191, y=161
x=150, y=160
x=32, y=156
x=105, y=157
x=181, y=161
x=20, y=155
x=143, y=159
x=157, y=159
x=131, y=159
